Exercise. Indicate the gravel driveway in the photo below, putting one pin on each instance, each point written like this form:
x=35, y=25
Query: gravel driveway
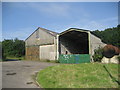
x=20, y=74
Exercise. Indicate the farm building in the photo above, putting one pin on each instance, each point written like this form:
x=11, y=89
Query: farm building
x=44, y=44
x=41, y=44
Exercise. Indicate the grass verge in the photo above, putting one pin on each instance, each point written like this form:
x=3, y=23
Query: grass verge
x=16, y=58
x=90, y=75
x=49, y=61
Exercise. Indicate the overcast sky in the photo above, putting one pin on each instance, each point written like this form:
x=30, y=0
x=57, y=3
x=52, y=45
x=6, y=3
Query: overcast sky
x=20, y=19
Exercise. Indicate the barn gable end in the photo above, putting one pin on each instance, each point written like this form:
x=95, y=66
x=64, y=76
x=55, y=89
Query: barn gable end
x=41, y=37
x=41, y=43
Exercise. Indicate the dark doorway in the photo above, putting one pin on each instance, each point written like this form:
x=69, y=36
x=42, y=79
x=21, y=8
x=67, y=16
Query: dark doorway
x=76, y=42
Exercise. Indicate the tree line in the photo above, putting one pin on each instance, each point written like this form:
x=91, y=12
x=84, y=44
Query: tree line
x=109, y=35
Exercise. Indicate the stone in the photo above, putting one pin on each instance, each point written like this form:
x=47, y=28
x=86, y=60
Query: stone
x=114, y=59
x=105, y=60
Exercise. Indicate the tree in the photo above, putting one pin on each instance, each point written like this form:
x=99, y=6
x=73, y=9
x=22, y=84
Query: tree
x=109, y=35
x=19, y=47
x=14, y=48
x=8, y=47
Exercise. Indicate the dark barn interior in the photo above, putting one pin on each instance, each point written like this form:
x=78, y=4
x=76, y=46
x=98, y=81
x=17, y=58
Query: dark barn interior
x=75, y=42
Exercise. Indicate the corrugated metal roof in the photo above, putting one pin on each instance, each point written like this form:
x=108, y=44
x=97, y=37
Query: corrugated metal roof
x=77, y=29
x=74, y=29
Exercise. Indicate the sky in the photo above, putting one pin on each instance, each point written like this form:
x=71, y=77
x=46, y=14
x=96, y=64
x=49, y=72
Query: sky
x=20, y=19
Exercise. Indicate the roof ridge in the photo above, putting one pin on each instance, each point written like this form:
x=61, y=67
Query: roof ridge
x=47, y=30
x=79, y=29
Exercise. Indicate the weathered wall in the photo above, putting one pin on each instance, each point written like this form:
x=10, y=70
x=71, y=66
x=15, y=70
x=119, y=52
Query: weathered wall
x=95, y=42
x=41, y=45
x=64, y=49
x=65, y=45
x=32, y=53
x=39, y=37
x=47, y=52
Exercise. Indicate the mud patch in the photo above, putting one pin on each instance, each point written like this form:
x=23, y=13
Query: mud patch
x=26, y=66
x=29, y=83
x=10, y=73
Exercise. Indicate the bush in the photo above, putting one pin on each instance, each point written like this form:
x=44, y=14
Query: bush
x=98, y=54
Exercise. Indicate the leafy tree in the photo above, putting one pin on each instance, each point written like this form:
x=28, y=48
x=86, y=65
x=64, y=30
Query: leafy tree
x=19, y=47
x=109, y=36
x=8, y=47
x=14, y=47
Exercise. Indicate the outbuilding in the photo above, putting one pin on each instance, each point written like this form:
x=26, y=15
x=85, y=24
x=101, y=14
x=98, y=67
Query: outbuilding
x=41, y=44
x=45, y=44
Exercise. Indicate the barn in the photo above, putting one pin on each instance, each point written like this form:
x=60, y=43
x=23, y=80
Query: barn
x=45, y=44
x=41, y=44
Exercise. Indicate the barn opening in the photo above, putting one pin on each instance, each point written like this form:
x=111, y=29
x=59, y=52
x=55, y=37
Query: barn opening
x=74, y=42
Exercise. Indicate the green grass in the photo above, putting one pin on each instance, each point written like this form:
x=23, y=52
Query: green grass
x=90, y=75
x=16, y=58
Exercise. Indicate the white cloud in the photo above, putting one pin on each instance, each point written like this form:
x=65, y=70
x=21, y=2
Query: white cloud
x=110, y=19
x=21, y=33
x=88, y=24
x=51, y=8
x=93, y=25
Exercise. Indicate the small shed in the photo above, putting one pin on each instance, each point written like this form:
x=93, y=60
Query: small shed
x=45, y=44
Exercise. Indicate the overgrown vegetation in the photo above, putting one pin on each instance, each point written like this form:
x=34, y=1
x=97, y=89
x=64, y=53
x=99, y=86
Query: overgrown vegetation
x=98, y=54
x=89, y=75
x=109, y=36
x=13, y=48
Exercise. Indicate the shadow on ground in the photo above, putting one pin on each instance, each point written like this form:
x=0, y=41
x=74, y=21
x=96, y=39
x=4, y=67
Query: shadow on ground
x=12, y=60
